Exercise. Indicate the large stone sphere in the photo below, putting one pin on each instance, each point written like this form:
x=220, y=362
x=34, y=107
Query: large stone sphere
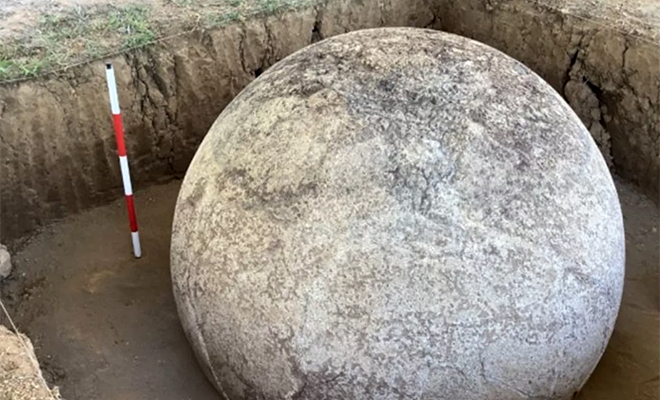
x=398, y=214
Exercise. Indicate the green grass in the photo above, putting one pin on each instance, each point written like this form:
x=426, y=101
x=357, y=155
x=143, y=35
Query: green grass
x=215, y=20
x=269, y=6
x=182, y=3
x=73, y=36
x=133, y=24
x=79, y=34
x=16, y=60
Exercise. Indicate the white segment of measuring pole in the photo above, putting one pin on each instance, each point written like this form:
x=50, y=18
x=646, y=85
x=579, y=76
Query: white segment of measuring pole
x=123, y=159
x=112, y=90
x=137, y=249
x=125, y=175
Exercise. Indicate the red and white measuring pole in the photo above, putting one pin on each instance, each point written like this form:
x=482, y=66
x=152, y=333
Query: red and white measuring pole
x=123, y=160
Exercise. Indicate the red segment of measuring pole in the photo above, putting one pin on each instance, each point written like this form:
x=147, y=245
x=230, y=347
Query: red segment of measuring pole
x=119, y=134
x=123, y=160
x=130, y=205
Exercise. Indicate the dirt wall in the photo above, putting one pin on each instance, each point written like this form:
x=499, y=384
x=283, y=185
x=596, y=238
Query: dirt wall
x=608, y=69
x=57, y=151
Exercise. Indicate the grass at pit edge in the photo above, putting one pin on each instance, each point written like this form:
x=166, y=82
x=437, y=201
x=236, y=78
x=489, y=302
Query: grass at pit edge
x=81, y=34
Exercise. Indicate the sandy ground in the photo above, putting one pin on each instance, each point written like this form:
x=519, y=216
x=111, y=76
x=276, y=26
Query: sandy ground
x=104, y=325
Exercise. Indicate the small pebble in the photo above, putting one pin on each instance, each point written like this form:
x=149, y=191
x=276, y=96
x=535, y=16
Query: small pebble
x=5, y=262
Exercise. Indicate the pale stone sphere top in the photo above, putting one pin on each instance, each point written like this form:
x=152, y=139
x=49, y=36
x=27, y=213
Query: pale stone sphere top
x=398, y=214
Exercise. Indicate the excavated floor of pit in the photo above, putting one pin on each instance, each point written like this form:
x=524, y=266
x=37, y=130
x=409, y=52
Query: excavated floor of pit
x=104, y=325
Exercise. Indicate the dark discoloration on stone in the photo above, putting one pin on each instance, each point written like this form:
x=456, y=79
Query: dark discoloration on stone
x=398, y=213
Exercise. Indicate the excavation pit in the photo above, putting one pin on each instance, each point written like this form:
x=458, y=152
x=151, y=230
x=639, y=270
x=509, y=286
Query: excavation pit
x=104, y=325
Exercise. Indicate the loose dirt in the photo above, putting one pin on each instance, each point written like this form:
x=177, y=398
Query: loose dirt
x=104, y=324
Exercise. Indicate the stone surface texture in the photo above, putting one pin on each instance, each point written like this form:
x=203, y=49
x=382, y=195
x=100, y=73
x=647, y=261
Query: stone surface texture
x=20, y=376
x=398, y=213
